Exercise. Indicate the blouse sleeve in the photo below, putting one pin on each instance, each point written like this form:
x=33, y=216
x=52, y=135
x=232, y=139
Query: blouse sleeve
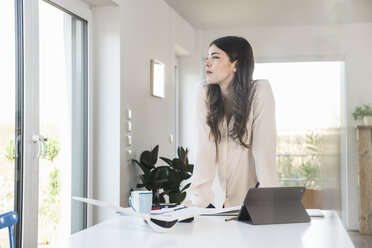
x=264, y=135
x=200, y=192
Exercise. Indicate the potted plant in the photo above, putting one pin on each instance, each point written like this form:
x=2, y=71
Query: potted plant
x=153, y=178
x=166, y=179
x=179, y=170
x=363, y=112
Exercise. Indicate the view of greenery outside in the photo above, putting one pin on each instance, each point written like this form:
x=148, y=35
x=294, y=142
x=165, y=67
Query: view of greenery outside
x=49, y=192
x=6, y=176
x=309, y=158
x=49, y=198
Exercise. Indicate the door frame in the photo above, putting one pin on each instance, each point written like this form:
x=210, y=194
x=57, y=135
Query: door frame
x=31, y=123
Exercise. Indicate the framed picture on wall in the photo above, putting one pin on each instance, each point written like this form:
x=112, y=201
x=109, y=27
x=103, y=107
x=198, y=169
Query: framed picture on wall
x=157, y=78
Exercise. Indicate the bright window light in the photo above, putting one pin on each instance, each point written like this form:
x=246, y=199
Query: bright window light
x=307, y=94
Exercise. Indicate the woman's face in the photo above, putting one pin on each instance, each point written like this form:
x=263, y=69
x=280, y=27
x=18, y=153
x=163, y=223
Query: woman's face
x=218, y=68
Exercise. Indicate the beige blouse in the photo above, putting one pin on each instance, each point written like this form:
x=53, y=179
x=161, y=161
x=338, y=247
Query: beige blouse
x=237, y=169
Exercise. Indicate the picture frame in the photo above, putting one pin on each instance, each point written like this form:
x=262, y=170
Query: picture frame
x=157, y=78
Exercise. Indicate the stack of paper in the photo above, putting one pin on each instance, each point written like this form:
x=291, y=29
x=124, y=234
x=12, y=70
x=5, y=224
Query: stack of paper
x=231, y=211
x=160, y=221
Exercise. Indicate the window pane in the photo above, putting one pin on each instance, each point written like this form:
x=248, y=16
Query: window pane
x=307, y=97
x=7, y=112
x=63, y=121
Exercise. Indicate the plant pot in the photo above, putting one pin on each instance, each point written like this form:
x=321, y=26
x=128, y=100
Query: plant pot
x=367, y=120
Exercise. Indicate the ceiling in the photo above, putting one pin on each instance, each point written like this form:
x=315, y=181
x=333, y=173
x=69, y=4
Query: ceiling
x=100, y=3
x=219, y=14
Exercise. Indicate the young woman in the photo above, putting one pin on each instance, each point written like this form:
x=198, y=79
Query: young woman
x=236, y=124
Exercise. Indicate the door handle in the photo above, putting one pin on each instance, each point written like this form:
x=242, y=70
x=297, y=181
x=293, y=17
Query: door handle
x=16, y=146
x=39, y=139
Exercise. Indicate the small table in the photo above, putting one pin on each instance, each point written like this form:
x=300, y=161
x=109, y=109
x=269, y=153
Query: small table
x=364, y=136
x=214, y=232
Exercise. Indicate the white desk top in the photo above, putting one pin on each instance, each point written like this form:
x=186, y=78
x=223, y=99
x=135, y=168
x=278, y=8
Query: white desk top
x=214, y=232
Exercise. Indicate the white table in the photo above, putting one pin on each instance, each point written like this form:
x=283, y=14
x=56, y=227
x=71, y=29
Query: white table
x=213, y=232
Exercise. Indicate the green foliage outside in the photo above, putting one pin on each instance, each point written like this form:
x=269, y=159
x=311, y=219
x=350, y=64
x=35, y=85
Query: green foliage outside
x=52, y=149
x=53, y=202
x=166, y=179
x=54, y=197
x=311, y=165
x=302, y=159
x=49, y=210
x=9, y=151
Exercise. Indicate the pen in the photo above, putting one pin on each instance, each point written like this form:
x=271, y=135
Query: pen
x=179, y=208
x=232, y=218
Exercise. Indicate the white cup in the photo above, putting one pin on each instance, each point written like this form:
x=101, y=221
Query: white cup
x=141, y=201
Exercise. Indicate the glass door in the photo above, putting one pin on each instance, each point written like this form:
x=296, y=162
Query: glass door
x=62, y=122
x=50, y=151
x=11, y=114
x=43, y=120
x=7, y=112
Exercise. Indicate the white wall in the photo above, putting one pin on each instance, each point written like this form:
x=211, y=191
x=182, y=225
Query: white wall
x=190, y=76
x=351, y=43
x=106, y=109
x=148, y=30
x=184, y=35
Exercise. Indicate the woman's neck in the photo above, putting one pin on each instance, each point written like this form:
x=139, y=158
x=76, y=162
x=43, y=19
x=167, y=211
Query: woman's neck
x=225, y=91
x=226, y=95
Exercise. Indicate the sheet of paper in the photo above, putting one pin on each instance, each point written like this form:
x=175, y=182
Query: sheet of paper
x=231, y=211
x=314, y=213
x=184, y=213
x=126, y=211
x=177, y=213
x=165, y=221
x=166, y=210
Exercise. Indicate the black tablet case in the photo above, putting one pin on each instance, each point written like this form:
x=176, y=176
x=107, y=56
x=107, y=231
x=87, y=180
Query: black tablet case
x=274, y=206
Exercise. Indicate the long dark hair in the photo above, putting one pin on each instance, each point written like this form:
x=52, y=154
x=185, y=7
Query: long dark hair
x=238, y=49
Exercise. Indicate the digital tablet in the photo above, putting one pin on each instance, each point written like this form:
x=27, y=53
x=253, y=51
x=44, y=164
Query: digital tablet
x=275, y=205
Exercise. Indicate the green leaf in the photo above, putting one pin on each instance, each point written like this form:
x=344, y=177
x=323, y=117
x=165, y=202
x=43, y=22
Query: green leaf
x=140, y=185
x=182, y=154
x=177, y=197
x=144, y=178
x=145, y=160
x=167, y=160
x=361, y=111
x=184, y=175
x=161, y=181
x=186, y=187
x=174, y=180
x=52, y=149
x=9, y=151
x=143, y=168
x=171, y=191
x=161, y=198
x=163, y=172
x=153, y=175
x=311, y=148
x=179, y=165
x=154, y=155
x=190, y=168
x=149, y=158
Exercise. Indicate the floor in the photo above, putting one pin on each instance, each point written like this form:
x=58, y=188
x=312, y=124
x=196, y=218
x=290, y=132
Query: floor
x=359, y=240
